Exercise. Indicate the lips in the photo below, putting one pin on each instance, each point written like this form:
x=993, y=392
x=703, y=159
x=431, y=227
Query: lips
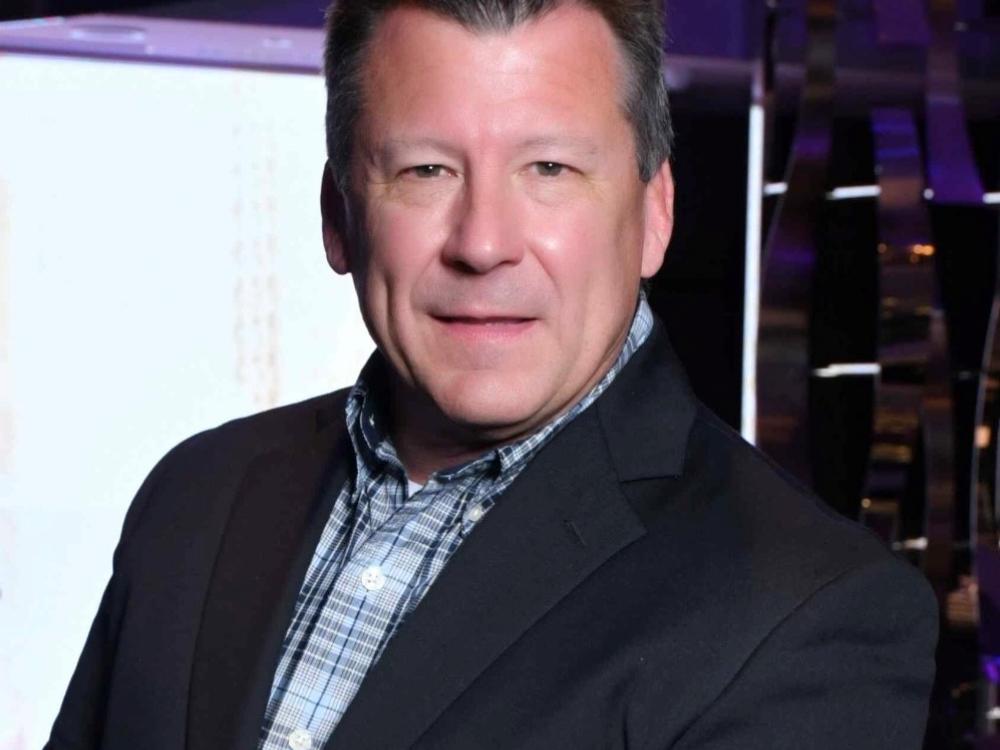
x=485, y=320
x=485, y=326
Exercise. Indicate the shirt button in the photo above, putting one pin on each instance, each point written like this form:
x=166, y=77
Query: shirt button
x=300, y=739
x=372, y=578
x=474, y=514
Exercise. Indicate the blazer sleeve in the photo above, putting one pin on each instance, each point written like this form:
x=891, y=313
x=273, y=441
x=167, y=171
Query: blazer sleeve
x=850, y=667
x=79, y=724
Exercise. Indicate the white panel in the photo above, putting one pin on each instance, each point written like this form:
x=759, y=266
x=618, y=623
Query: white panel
x=161, y=271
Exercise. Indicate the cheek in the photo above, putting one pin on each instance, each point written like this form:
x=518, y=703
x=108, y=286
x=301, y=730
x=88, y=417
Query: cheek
x=583, y=251
x=402, y=242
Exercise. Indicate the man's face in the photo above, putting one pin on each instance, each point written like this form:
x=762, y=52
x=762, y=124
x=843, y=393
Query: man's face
x=500, y=227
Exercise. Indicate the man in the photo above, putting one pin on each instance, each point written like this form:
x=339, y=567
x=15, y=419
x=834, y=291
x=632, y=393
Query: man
x=519, y=529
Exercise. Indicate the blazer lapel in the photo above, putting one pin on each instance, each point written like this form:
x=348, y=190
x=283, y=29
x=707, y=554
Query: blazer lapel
x=647, y=413
x=274, y=526
x=562, y=518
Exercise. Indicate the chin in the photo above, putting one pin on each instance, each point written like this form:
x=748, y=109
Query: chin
x=495, y=406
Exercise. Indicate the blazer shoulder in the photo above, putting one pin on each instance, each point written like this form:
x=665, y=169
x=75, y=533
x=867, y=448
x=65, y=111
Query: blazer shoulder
x=275, y=426
x=744, y=518
x=262, y=431
x=213, y=456
x=782, y=511
x=757, y=558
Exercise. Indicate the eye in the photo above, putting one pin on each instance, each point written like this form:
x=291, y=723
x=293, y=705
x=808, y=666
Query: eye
x=549, y=168
x=426, y=171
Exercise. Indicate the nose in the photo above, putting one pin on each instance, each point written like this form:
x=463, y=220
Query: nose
x=485, y=229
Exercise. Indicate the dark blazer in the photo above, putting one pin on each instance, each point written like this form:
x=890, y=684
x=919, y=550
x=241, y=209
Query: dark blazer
x=649, y=581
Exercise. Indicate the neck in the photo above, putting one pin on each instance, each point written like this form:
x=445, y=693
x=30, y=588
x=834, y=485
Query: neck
x=426, y=441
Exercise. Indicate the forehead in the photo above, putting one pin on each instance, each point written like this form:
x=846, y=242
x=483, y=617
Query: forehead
x=564, y=63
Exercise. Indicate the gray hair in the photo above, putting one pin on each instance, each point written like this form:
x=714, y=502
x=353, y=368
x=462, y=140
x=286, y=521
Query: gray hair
x=637, y=25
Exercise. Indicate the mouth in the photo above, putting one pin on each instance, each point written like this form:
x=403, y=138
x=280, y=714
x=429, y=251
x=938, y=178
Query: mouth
x=485, y=326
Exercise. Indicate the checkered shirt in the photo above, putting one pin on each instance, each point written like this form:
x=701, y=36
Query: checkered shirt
x=380, y=551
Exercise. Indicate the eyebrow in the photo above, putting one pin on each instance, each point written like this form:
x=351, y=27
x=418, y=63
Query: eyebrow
x=393, y=145
x=580, y=144
x=583, y=145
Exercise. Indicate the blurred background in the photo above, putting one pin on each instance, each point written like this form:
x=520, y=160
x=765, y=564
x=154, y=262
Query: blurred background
x=832, y=284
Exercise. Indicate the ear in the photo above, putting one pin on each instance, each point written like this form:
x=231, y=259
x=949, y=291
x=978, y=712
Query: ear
x=333, y=205
x=659, y=199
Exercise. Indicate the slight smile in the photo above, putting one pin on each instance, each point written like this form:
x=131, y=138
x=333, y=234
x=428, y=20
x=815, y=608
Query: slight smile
x=485, y=326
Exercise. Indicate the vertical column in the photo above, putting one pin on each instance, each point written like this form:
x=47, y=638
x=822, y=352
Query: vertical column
x=789, y=260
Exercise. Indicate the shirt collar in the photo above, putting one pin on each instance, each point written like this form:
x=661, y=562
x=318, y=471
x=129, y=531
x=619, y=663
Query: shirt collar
x=367, y=419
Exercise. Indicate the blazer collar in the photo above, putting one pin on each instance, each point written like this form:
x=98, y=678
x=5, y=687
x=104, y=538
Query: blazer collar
x=647, y=413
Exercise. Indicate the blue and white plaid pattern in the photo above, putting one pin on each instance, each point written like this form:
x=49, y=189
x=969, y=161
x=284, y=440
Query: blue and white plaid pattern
x=377, y=556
